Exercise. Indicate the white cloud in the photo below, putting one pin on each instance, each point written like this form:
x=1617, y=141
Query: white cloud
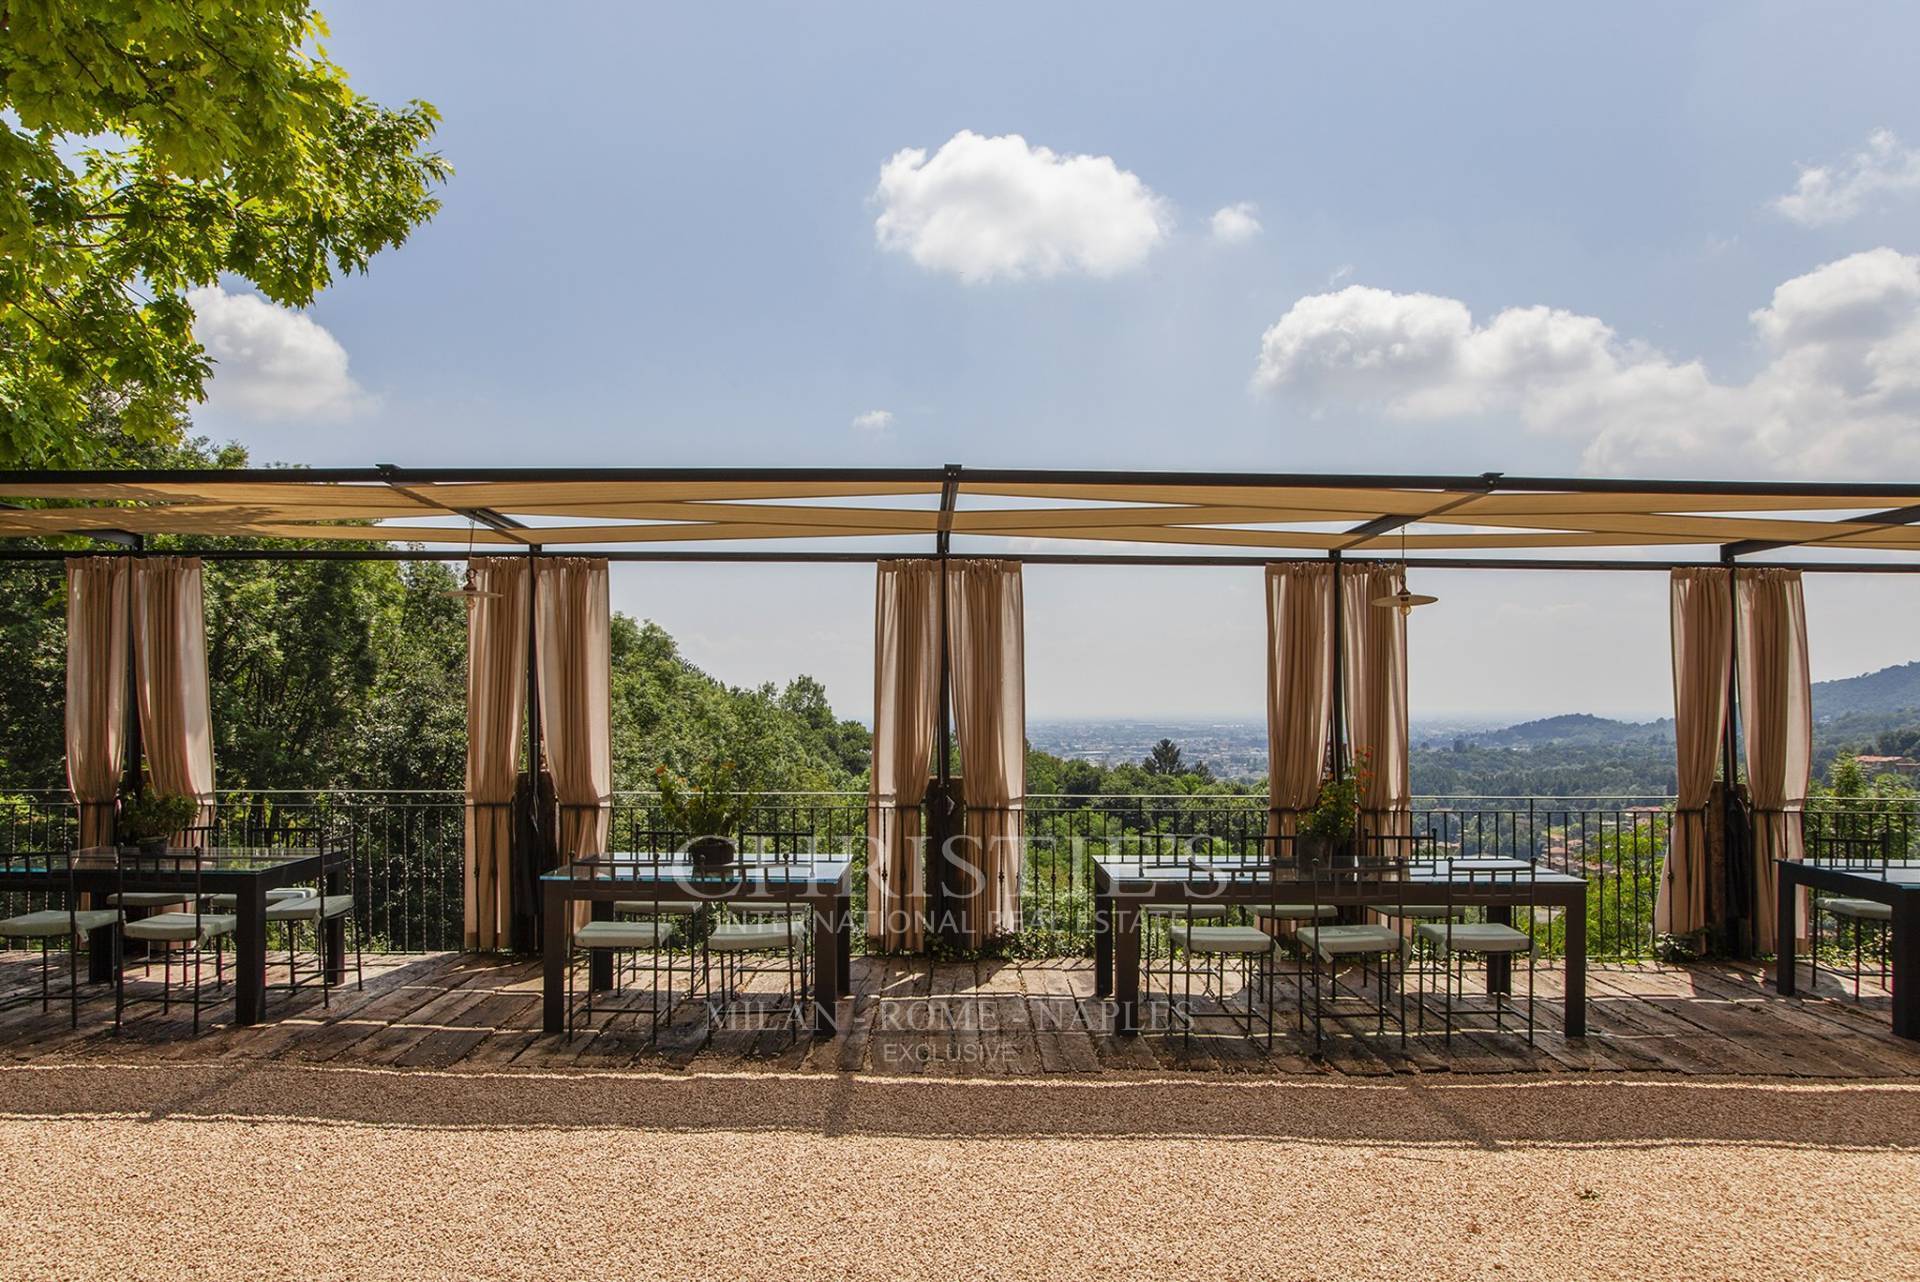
x=1236, y=224
x=1833, y=194
x=270, y=362
x=1838, y=394
x=987, y=209
x=874, y=420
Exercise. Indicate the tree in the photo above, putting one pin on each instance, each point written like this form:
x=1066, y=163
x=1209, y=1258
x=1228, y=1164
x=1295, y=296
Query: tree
x=1164, y=759
x=149, y=147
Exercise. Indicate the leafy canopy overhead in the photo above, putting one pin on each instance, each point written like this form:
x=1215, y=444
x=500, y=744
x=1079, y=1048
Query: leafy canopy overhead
x=147, y=147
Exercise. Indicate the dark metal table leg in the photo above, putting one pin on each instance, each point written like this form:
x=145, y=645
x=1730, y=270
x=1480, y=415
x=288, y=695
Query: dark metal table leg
x=1785, y=925
x=100, y=967
x=1102, y=945
x=843, y=919
x=1500, y=965
x=1576, y=995
x=335, y=883
x=557, y=905
x=250, y=961
x=826, y=970
x=1905, y=974
x=600, y=960
x=1126, y=966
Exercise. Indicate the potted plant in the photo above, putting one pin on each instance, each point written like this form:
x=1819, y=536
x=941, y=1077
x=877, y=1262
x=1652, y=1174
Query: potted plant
x=708, y=806
x=148, y=819
x=1329, y=826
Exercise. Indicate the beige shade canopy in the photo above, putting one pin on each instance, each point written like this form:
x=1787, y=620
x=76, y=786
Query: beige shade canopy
x=612, y=508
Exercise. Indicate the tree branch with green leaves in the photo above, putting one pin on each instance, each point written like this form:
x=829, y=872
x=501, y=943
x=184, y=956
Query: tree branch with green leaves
x=147, y=148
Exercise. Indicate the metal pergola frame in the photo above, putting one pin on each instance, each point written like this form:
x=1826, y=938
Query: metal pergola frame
x=435, y=492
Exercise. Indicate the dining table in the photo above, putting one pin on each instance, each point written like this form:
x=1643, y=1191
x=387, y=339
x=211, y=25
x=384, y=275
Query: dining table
x=1893, y=882
x=245, y=872
x=1125, y=886
x=823, y=884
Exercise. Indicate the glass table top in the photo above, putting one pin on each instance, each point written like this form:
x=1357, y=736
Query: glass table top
x=675, y=869
x=212, y=859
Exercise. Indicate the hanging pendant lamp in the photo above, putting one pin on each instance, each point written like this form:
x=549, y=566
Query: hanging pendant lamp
x=469, y=588
x=1402, y=599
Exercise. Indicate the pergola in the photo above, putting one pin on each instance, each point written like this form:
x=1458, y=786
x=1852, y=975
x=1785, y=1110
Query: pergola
x=1041, y=517
x=647, y=513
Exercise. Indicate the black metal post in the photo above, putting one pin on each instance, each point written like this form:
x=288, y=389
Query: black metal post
x=1338, y=747
x=939, y=867
x=526, y=919
x=1734, y=826
x=135, y=747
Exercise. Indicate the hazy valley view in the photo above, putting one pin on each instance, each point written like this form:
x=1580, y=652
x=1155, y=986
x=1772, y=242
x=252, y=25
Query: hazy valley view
x=1874, y=717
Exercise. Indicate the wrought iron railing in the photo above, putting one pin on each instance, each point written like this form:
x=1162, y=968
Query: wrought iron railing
x=408, y=845
x=1893, y=821
x=1617, y=843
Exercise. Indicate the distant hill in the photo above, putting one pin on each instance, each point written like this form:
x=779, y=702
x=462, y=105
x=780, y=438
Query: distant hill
x=1888, y=690
x=1574, y=729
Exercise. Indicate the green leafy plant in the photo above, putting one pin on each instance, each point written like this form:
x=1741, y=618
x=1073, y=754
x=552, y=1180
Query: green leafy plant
x=1337, y=810
x=710, y=802
x=154, y=815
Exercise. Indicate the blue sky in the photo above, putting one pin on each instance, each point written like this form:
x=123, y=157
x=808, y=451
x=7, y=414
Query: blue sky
x=661, y=247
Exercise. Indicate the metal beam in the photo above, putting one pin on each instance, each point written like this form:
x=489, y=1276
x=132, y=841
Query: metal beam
x=27, y=556
x=932, y=476
x=1893, y=516
x=1384, y=524
x=484, y=515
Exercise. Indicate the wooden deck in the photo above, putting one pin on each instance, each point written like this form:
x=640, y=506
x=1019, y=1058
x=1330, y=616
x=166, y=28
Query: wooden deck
x=458, y=1011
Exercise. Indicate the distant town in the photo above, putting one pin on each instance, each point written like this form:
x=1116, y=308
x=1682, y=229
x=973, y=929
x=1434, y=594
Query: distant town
x=1875, y=717
x=1231, y=749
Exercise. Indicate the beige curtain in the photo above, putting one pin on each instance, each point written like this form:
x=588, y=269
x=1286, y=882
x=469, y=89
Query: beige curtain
x=496, y=706
x=96, y=690
x=1299, y=687
x=576, y=703
x=906, y=693
x=170, y=666
x=986, y=639
x=1373, y=675
x=1776, y=719
x=1702, y=622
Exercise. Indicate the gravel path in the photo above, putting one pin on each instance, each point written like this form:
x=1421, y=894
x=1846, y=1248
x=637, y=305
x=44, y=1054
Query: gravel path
x=284, y=1170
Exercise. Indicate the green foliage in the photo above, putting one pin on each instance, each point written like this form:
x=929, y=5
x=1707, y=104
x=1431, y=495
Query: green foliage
x=668, y=712
x=155, y=814
x=352, y=674
x=1164, y=759
x=711, y=802
x=1337, y=809
x=147, y=148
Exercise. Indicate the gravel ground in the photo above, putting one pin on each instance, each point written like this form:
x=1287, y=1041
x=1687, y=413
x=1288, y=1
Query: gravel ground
x=284, y=1170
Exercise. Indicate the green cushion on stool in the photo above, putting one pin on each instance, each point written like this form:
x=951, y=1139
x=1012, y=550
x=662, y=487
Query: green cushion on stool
x=1293, y=912
x=55, y=923
x=173, y=927
x=756, y=937
x=150, y=899
x=228, y=903
x=622, y=934
x=1350, y=941
x=1477, y=937
x=309, y=908
x=657, y=907
x=1221, y=939
x=1863, y=909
